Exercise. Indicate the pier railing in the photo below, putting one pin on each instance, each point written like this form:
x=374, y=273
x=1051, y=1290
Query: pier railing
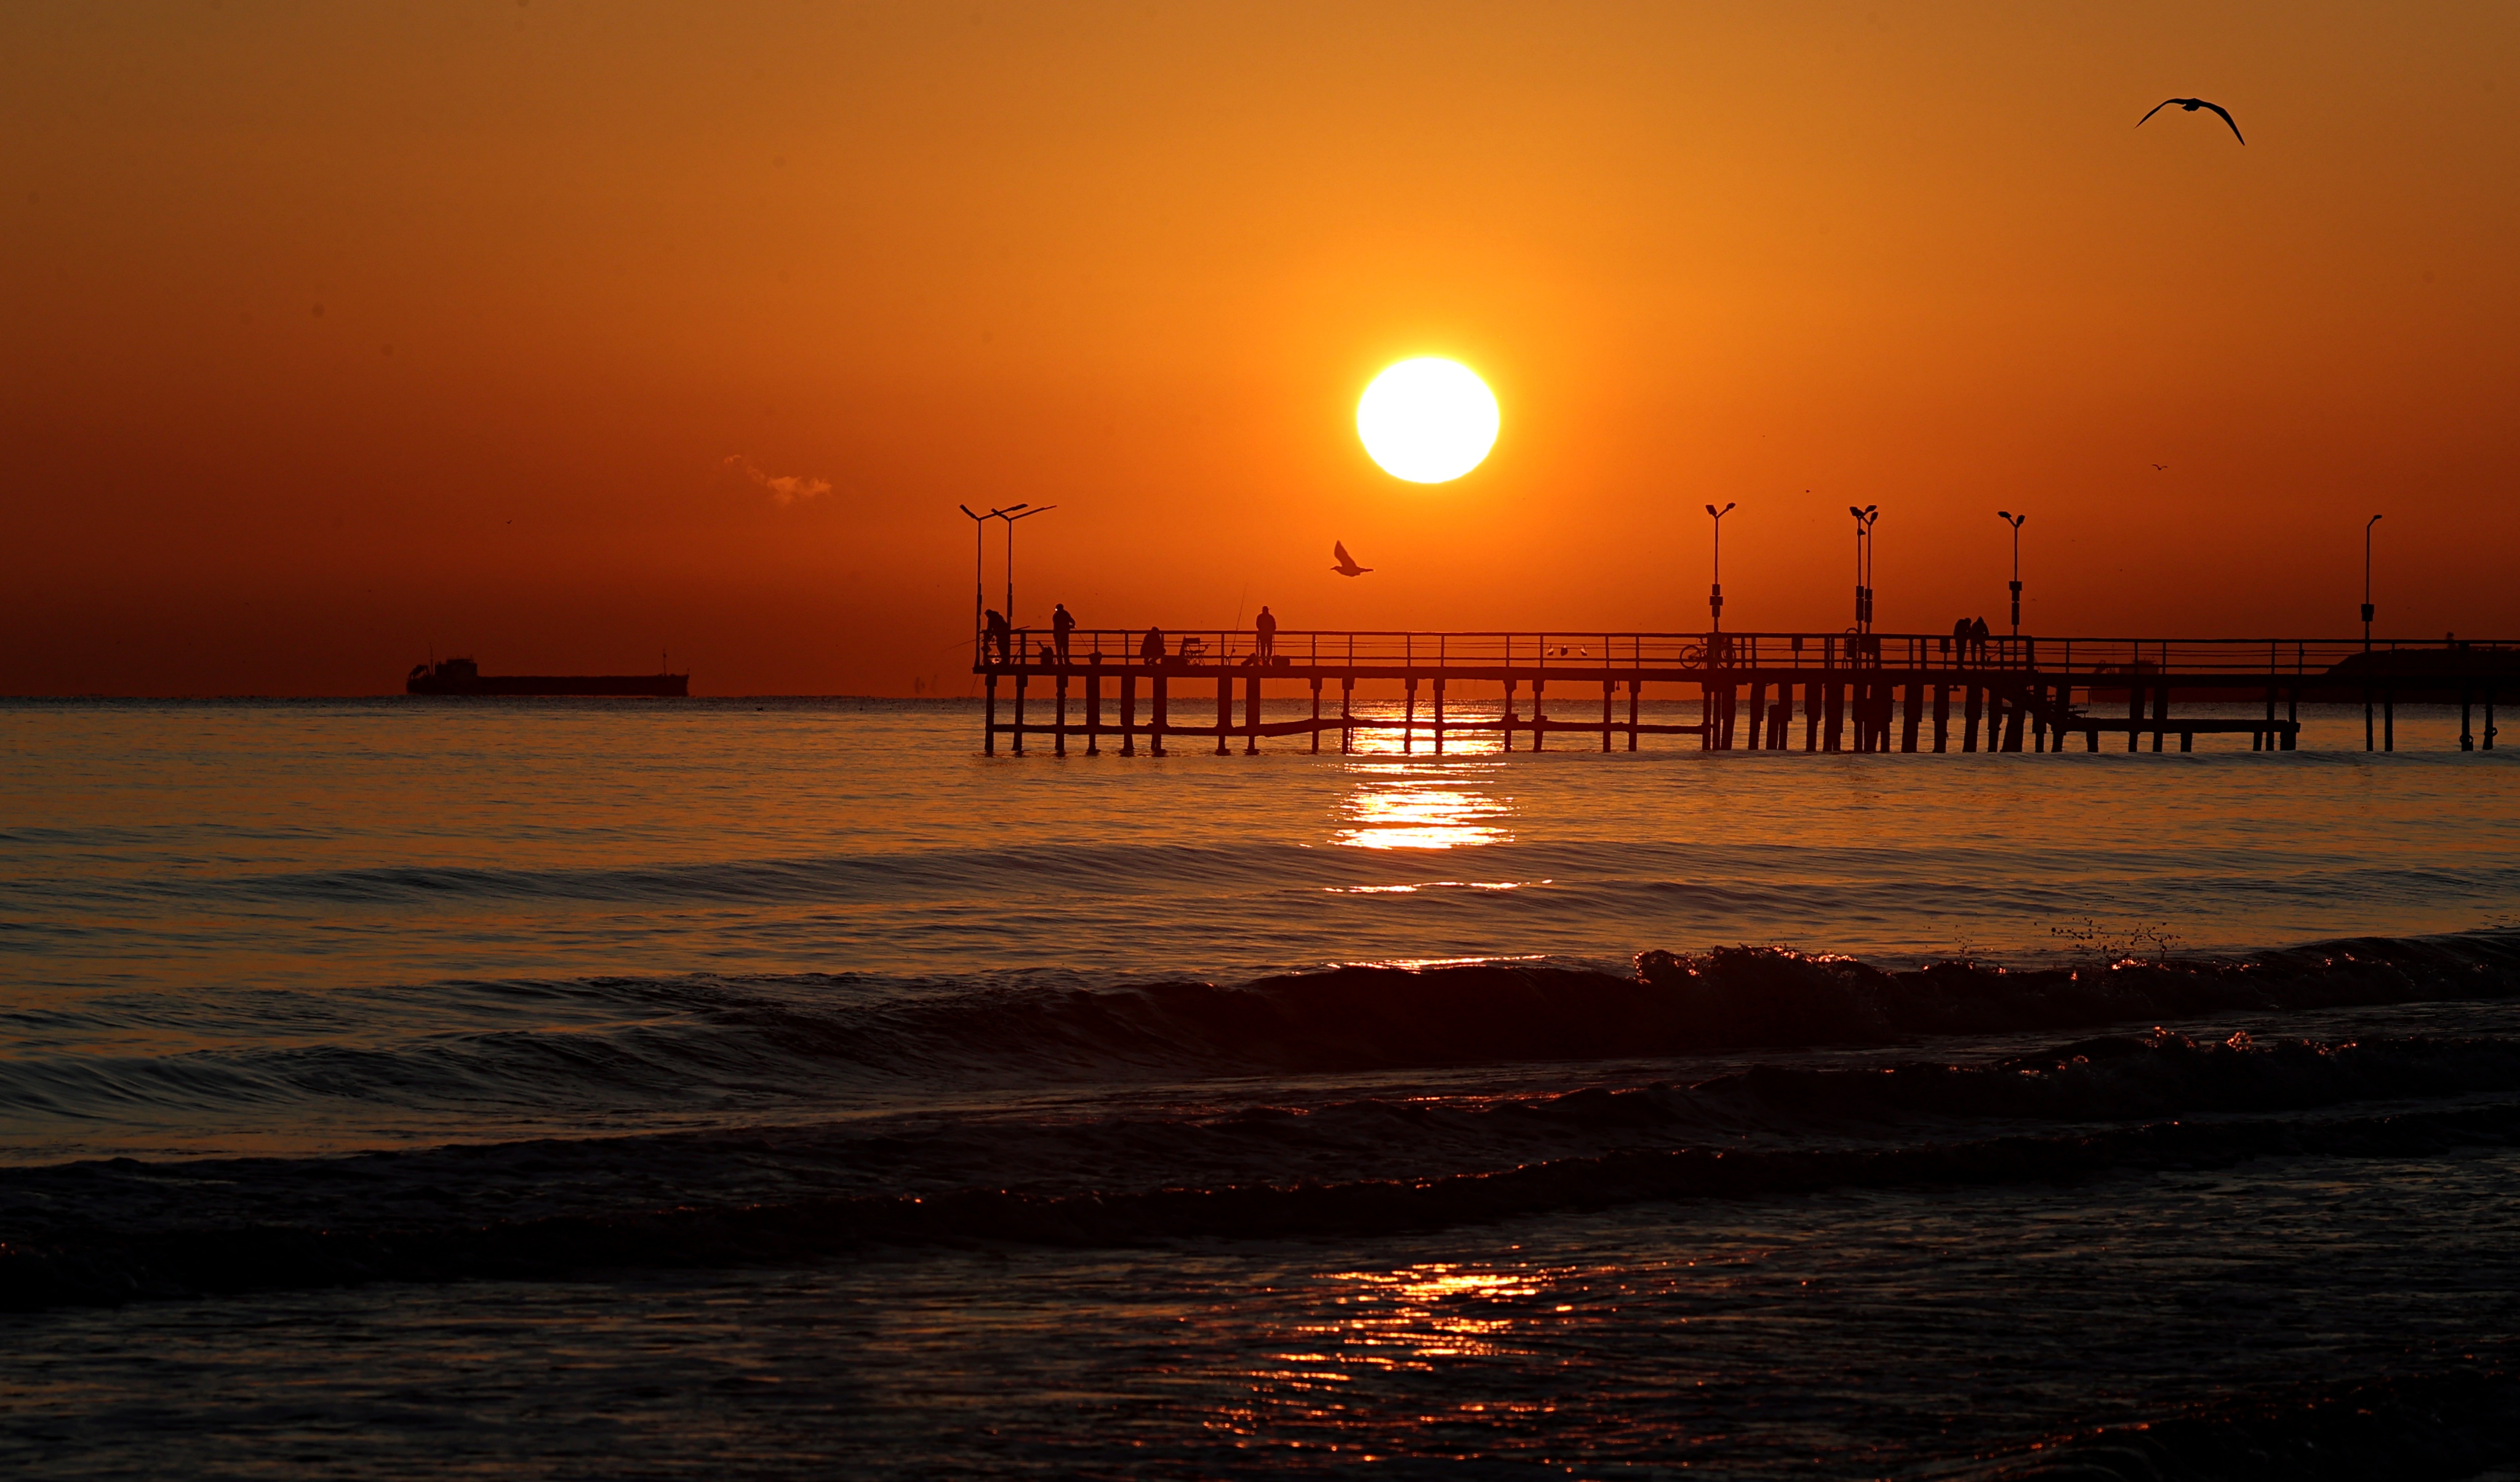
x=1687, y=655
x=1864, y=692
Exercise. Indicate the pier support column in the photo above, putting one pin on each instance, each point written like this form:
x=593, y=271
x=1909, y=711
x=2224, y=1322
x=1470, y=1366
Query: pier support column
x=1505, y=717
x=989, y=716
x=1942, y=716
x=1538, y=713
x=1224, y=707
x=1094, y=712
x=1127, y=715
x=1810, y=715
x=2466, y=736
x=1610, y=692
x=1158, y=704
x=1059, y=715
x=2160, y=712
x=1347, y=714
x=1758, y=714
x=1835, y=695
x=2134, y=712
x=1409, y=718
x=1317, y=715
x=2015, y=718
x=1020, y=679
x=2292, y=713
x=2389, y=720
x=1972, y=706
x=1439, y=715
x=2489, y=717
x=1252, y=714
x=1915, y=717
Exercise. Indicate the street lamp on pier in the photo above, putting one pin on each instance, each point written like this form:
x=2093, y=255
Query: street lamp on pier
x=979, y=526
x=1865, y=516
x=2366, y=581
x=2014, y=521
x=1010, y=516
x=1715, y=597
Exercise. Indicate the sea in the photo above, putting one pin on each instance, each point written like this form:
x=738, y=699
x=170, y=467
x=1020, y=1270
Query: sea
x=773, y=1088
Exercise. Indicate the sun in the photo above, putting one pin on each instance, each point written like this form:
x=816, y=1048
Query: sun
x=1427, y=421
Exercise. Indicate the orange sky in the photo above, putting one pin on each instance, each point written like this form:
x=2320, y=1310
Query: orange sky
x=339, y=332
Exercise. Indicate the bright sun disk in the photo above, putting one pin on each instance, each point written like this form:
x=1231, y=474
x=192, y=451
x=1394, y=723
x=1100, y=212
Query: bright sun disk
x=1427, y=420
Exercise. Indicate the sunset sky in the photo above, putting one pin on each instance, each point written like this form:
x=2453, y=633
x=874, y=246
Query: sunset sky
x=339, y=334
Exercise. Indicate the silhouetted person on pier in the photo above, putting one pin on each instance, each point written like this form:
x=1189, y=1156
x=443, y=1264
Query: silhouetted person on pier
x=1960, y=640
x=1150, y=649
x=1050, y=656
x=1060, y=625
x=1002, y=636
x=1978, y=632
x=1266, y=627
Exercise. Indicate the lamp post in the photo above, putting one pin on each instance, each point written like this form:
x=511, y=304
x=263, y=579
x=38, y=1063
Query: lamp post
x=1010, y=516
x=2014, y=521
x=1715, y=595
x=2366, y=581
x=1865, y=516
x=979, y=526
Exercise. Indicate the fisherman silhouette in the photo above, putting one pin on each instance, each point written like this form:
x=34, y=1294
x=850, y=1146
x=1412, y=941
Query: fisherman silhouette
x=1266, y=627
x=1001, y=635
x=1060, y=625
x=1049, y=658
x=1150, y=649
x=1978, y=631
x=1957, y=643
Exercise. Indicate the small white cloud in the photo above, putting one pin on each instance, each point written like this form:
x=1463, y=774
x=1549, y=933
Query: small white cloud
x=784, y=488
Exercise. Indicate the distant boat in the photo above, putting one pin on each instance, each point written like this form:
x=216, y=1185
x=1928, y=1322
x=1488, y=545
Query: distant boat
x=462, y=676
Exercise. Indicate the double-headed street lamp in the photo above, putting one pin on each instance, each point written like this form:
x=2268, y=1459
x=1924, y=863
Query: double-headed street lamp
x=979, y=524
x=1009, y=516
x=2014, y=521
x=1715, y=597
x=1865, y=516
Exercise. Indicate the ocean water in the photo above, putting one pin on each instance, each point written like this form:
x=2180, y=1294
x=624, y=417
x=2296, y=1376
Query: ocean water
x=615, y=1087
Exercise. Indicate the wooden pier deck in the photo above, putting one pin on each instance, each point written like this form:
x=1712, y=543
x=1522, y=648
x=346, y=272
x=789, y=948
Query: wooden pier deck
x=1105, y=689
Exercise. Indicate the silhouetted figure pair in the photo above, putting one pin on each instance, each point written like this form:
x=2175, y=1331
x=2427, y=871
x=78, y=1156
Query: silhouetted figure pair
x=1970, y=640
x=1001, y=636
x=1266, y=627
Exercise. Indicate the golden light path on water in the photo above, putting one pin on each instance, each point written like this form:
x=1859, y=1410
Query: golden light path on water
x=1410, y=805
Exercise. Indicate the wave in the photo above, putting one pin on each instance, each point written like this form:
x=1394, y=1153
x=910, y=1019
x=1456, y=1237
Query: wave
x=102, y=1267
x=578, y=1055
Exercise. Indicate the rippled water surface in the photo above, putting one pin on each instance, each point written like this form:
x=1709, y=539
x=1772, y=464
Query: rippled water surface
x=1124, y=1116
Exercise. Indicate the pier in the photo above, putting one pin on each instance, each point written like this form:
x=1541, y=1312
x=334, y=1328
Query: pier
x=1101, y=689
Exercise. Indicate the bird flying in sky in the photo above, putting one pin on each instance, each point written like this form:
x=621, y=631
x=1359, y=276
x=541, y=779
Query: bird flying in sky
x=2191, y=105
x=1347, y=565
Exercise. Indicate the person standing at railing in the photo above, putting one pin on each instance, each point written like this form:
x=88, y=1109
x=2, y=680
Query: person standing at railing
x=1061, y=623
x=1000, y=635
x=1265, y=627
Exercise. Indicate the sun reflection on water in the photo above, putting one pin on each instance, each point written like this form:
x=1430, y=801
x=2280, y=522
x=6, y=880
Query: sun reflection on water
x=1412, y=805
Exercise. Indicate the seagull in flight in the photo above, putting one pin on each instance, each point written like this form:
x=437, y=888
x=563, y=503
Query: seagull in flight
x=1347, y=565
x=2191, y=105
